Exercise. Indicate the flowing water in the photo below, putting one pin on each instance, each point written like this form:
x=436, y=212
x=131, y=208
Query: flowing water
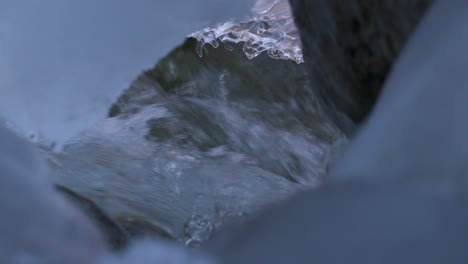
x=208, y=136
x=212, y=134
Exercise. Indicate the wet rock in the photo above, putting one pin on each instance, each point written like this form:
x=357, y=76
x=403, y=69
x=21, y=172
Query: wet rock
x=349, y=48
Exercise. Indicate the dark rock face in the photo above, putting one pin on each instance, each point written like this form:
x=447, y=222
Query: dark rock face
x=349, y=48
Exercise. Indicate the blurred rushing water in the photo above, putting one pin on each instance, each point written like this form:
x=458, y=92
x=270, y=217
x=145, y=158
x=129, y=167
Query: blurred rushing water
x=208, y=136
x=196, y=143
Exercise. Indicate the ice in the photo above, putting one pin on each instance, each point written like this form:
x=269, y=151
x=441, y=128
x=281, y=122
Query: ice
x=270, y=28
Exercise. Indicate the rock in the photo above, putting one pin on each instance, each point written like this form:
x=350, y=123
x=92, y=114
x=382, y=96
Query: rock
x=423, y=105
x=350, y=47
